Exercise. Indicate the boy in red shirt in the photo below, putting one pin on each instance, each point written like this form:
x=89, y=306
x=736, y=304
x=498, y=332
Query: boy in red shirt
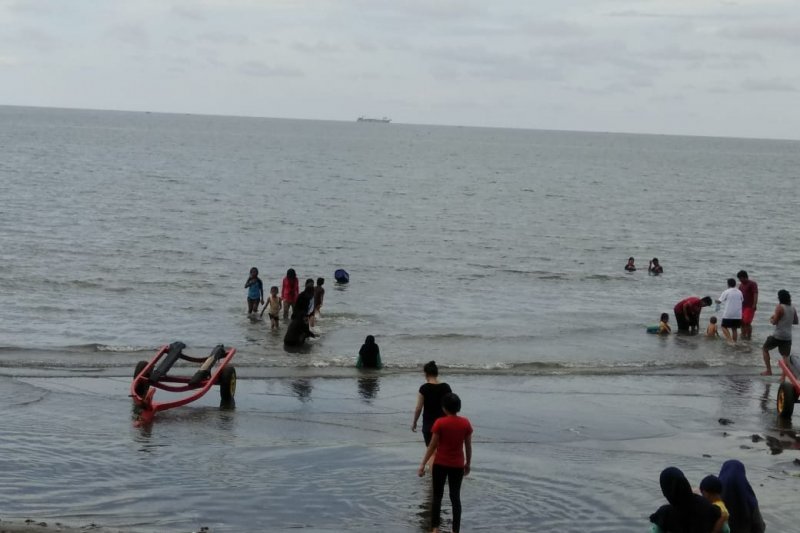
x=452, y=444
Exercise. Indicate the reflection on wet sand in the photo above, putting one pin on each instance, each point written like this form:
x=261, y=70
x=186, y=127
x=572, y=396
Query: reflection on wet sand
x=368, y=387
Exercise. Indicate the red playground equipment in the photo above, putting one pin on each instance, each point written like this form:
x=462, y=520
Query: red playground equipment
x=789, y=390
x=154, y=374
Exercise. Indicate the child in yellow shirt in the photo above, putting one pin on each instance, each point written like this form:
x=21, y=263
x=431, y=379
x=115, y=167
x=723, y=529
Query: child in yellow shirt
x=711, y=488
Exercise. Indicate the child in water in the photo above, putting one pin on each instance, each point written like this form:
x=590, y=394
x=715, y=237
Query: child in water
x=711, y=489
x=255, y=291
x=630, y=267
x=319, y=294
x=654, y=268
x=369, y=356
x=274, y=305
x=663, y=325
x=711, y=330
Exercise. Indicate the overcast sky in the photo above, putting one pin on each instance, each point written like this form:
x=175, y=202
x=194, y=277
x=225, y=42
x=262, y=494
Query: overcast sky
x=704, y=67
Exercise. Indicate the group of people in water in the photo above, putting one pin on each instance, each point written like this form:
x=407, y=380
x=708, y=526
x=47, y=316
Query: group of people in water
x=305, y=306
x=738, y=307
x=726, y=503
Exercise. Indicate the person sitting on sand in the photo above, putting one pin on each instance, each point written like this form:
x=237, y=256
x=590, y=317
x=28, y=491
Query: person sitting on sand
x=654, y=268
x=711, y=329
x=711, y=489
x=783, y=318
x=369, y=356
x=686, y=512
x=740, y=500
x=630, y=267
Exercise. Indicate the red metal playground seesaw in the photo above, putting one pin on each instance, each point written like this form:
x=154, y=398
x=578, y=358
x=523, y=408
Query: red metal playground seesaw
x=154, y=374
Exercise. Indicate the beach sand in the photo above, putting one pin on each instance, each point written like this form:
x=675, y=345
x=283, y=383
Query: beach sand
x=331, y=453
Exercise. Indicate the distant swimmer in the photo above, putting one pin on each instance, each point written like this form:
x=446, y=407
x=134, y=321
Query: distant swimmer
x=255, y=291
x=630, y=266
x=654, y=268
x=783, y=318
x=341, y=276
x=369, y=356
x=687, y=313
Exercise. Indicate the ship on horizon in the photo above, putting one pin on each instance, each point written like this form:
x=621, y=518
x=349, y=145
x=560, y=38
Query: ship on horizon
x=362, y=118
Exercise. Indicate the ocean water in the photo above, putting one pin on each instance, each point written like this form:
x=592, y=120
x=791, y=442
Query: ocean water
x=498, y=253
x=484, y=249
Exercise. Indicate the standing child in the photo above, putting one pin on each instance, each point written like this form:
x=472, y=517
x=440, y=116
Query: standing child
x=274, y=306
x=711, y=330
x=452, y=445
x=289, y=291
x=319, y=294
x=711, y=489
x=255, y=291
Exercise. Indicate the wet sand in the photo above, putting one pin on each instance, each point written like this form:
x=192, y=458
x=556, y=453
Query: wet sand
x=331, y=453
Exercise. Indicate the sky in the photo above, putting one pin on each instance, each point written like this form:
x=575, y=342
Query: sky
x=697, y=67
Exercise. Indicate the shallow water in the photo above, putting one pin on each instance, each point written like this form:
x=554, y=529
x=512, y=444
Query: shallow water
x=498, y=253
x=336, y=454
x=480, y=248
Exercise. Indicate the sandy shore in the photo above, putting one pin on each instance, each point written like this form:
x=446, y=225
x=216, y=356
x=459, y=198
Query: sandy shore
x=337, y=454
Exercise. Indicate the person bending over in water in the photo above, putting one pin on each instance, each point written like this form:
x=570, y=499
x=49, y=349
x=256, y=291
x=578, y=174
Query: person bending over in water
x=451, y=448
x=687, y=312
x=630, y=267
x=369, y=356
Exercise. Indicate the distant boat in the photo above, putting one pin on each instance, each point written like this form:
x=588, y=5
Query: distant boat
x=362, y=118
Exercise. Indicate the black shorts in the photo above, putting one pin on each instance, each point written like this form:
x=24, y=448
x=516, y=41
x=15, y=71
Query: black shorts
x=784, y=347
x=733, y=323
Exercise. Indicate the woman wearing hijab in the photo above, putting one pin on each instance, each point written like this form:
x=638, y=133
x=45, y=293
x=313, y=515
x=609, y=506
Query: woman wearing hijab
x=739, y=498
x=687, y=512
x=369, y=356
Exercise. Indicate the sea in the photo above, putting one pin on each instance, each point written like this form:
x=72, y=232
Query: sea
x=498, y=253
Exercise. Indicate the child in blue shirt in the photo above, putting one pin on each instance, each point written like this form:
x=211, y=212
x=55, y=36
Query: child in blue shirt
x=255, y=291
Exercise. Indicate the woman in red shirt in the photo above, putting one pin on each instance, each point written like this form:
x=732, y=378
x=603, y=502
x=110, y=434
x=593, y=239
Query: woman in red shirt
x=452, y=444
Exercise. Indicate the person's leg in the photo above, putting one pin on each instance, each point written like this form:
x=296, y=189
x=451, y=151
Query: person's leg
x=438, y=476
x=726, y=333
x=735, y=334
x=768, y=345
x=454, y=478
x=681, y=322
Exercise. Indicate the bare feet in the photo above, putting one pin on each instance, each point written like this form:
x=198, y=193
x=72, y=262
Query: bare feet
x=766, y=373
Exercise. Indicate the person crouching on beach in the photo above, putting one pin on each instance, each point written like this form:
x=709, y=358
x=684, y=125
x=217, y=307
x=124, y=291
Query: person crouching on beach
x=369, y=356
x=451, y=443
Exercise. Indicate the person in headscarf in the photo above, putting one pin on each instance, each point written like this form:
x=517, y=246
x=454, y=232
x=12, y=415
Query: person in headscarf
x=369, y=356
x=687, y=512
x=739, y=498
